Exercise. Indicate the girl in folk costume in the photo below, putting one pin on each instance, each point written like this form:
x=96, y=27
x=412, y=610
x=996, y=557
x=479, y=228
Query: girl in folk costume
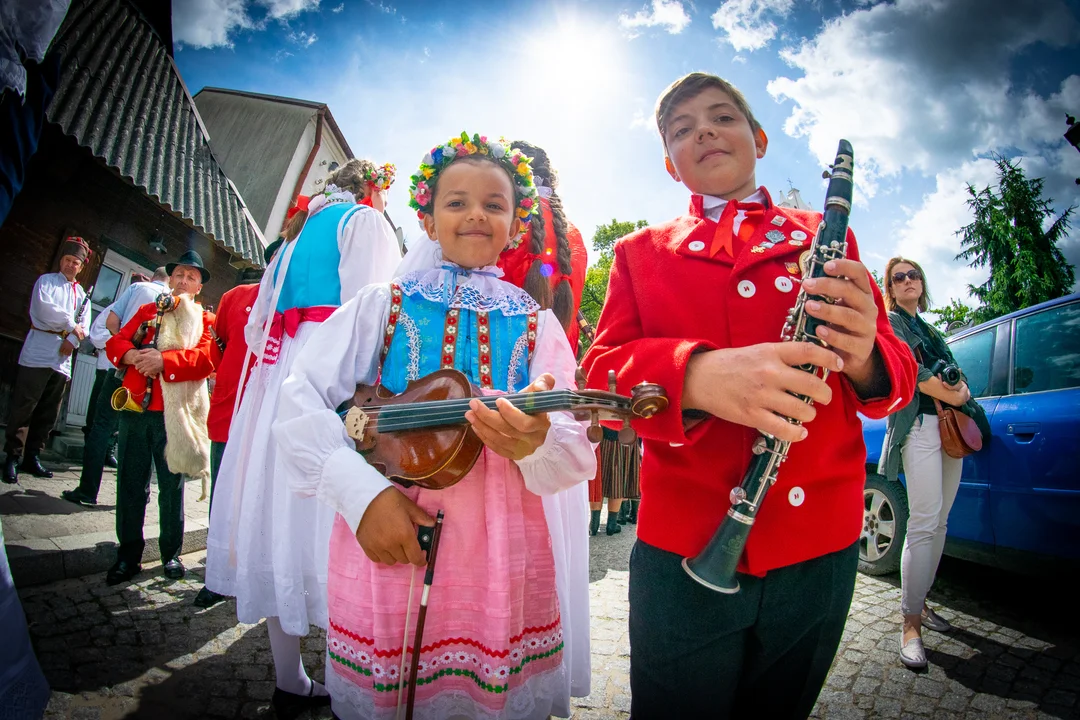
x=267, y=547
x=494, y=644
x=551, y=260
x=549, y=263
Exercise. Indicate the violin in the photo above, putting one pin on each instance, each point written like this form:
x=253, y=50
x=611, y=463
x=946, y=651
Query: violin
x=421, y=437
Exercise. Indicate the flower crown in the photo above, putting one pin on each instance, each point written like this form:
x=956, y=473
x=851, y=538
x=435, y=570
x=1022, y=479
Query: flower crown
x=422, y=189
x=381, y=177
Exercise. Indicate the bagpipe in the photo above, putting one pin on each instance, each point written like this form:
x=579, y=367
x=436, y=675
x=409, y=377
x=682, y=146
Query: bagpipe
x=714, y=567
x=122, y=399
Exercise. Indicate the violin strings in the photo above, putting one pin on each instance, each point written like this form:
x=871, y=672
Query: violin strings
x=444, y=416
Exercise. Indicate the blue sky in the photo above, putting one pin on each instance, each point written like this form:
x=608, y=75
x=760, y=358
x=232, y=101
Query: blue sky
x=925, y=90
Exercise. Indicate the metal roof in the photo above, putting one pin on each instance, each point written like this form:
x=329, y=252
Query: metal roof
x=122, y=97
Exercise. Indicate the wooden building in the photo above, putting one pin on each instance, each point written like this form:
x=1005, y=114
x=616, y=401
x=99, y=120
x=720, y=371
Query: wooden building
x=125, y=162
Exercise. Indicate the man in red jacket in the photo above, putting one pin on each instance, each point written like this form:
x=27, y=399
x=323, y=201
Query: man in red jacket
x=697, y=305
x=228, y=352
x=142, y=434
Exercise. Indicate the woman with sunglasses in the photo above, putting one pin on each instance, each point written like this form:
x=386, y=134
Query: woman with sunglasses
x=932, y=476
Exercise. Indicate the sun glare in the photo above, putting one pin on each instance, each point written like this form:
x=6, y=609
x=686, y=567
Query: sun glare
x=581, y=61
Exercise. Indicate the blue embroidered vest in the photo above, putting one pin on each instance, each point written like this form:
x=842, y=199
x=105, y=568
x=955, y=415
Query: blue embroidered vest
x=492, y=349
x=312, y=278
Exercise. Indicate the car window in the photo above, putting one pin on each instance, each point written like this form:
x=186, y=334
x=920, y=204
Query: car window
x=1048, y=350
x=974, y=354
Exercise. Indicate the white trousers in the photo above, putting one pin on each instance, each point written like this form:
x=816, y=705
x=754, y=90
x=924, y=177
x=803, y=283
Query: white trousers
x=932, y=481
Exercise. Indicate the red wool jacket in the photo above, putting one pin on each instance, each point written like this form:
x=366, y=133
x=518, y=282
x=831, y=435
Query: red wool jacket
x=232, y=317
x=667, y=299
x=180, y=365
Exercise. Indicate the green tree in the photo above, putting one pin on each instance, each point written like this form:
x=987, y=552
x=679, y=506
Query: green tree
x=954, y=315
x=1026, y=265
x=596, y=277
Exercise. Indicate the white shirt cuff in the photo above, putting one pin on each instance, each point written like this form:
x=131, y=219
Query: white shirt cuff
x=349, y=484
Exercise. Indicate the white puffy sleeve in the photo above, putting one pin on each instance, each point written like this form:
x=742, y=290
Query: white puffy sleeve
x=261, y=309
x=47, y=311
x=99, y=334
x=369, y=251
x=567, y=457
x=320, y=459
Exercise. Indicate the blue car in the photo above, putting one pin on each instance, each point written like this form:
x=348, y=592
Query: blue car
x=1018, y=506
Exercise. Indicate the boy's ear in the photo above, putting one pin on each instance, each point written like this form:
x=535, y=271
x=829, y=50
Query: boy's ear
x=429, y=226
x=761, y=142
x=671, y=169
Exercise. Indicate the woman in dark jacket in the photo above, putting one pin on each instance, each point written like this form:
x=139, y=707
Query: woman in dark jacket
x=932, y=476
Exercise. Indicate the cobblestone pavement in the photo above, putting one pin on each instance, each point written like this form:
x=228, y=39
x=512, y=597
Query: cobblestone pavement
x=142, y=650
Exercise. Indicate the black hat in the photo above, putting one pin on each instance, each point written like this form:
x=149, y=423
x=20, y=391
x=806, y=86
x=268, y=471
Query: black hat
x=193, y=259
x=268, y=253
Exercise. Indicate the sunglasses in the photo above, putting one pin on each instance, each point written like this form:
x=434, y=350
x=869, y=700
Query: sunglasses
x=913, y=274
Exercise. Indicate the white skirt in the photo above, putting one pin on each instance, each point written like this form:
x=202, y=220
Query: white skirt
x=267, y=546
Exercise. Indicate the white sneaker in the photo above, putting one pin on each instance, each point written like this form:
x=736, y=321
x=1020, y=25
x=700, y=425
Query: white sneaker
x=932, y=620
x=912, y=653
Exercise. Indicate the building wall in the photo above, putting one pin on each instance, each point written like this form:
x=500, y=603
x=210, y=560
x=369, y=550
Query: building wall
x=68, y=191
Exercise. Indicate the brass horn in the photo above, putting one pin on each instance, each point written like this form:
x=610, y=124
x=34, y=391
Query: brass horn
x=122, y=400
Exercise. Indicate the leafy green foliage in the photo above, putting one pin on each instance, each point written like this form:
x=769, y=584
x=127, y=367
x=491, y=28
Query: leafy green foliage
x=596, y=277
x=953, y=316
x=1026, y=265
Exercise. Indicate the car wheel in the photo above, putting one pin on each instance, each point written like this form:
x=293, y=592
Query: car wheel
x=885, y=516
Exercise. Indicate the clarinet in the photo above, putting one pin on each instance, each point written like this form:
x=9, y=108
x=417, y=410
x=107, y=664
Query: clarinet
x=714, y=567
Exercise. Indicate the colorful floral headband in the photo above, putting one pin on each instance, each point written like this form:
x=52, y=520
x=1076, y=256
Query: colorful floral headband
x=381, y=177
x=422, y=189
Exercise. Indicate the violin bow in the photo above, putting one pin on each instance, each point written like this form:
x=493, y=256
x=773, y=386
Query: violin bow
x=421, y=616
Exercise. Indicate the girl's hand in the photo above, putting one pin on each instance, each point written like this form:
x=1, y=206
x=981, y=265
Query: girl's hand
x=960, y=393
x=387, y=532
x=852, y=320
x=508, y=431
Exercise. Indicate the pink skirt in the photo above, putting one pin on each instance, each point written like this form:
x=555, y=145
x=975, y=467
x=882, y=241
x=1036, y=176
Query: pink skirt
x=493, y=628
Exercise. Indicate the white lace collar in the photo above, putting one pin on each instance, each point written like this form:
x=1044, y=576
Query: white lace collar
x=477, y=289
x=334, y=194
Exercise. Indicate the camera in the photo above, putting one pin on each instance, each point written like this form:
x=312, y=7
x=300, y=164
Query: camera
x=949, y=373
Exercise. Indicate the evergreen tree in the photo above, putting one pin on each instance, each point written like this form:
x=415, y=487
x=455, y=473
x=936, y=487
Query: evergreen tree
x=1026, y=265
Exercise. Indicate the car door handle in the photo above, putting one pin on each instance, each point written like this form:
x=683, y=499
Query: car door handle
x=1023, y=432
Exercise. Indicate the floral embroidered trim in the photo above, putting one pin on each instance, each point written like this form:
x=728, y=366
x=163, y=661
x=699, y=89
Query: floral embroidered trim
x=483, y=336
x=396, y=652
x=521, y=346
x=533, y=323
x=391, y=324
x=478, y=293
x=412, y=370
x=449, y=341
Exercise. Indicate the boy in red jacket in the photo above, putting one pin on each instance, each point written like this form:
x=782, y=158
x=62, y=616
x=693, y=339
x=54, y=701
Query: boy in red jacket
x=697, y=305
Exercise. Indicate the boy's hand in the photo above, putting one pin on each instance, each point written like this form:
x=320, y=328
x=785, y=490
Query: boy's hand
x=508, y=431
x=852, y=320
x=753, y=385
x=387, y=532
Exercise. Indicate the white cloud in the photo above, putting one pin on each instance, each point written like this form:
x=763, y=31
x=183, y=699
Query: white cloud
x=208, y=23
x=747, y=24
x=284, y=9
x=303, y=39
x=914, y=87
x=338, y=9
x=668, y=14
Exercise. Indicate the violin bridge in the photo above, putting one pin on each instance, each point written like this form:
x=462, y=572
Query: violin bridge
x=355, y=423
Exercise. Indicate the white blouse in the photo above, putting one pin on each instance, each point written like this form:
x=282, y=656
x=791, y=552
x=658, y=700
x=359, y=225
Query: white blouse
x=53, y=303
x=343, y=352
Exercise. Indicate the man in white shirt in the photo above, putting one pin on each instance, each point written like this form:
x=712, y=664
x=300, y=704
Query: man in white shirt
x=59, y=320
x=134, y=297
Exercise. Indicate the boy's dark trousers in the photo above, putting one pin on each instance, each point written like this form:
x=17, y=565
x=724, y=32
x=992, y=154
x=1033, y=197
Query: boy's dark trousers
x=142, y=442
x=761, y=653
x=36, y=398
x=217, y=451
x=103, y=421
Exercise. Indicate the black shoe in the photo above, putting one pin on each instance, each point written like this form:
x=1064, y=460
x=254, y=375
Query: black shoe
x=33, y=466
x=207, y=598
x=121, y=572
x=624, y=512
x=174, y=569
x=11, y=470
x=76, y=496
x=288, y=706
x=110, y=460
x=632, y=516
x=594, y=523
x=613, y=524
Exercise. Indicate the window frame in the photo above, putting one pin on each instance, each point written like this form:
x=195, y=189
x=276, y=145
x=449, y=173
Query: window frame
x=1012, y=354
